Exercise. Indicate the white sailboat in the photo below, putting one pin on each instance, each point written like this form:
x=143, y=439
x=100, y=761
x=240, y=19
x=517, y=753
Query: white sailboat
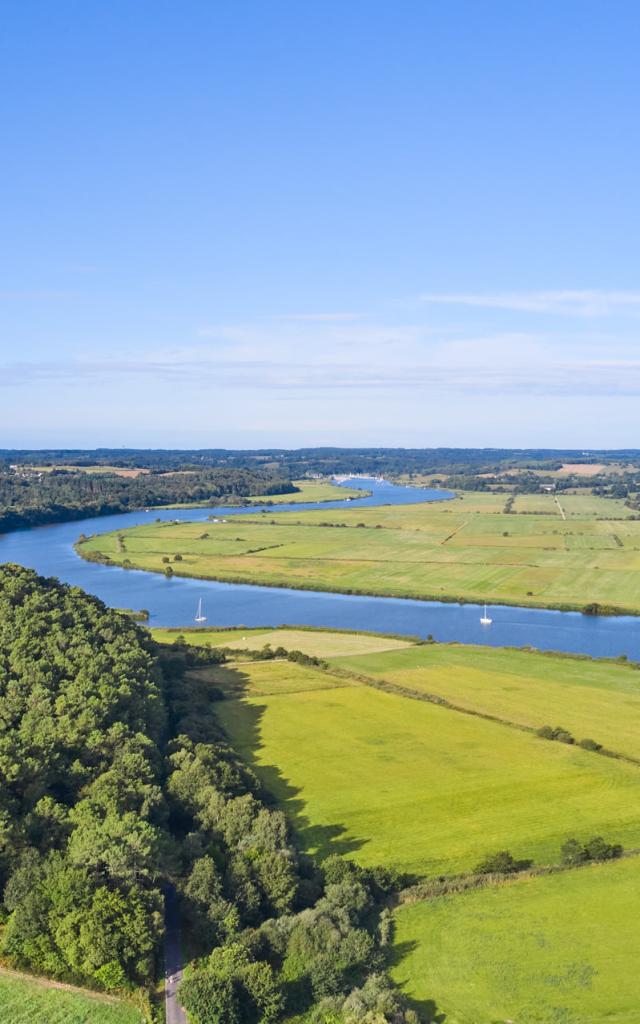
x=485, y=620
x=200, y=617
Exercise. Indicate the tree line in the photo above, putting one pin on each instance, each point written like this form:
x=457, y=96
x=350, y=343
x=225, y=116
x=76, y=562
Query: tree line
x=295, y=463
x=30, y=498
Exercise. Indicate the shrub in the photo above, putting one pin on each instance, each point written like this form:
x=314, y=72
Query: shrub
x=574, y=852
x=502, y=863
x=598, y=849
x=591, y=609
x=557, y=733
x=589, y=744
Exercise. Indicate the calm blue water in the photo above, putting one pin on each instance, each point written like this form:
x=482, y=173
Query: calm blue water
x=172, y=602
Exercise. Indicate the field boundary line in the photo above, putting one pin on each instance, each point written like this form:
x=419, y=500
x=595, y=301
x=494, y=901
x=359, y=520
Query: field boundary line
x=344, y=685
x=425, y=891
x=457, y=530
x=64, y=986
x=386, y=686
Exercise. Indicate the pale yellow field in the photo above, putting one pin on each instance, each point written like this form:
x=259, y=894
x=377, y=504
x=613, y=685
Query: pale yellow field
x=315, y=643
x=310, y=490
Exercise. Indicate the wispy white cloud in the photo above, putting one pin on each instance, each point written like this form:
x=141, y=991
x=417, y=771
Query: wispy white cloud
x=587, y=303
x=470, y=377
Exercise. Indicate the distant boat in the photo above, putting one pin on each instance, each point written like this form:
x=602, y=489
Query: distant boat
x=199, y=615
x=485, y=620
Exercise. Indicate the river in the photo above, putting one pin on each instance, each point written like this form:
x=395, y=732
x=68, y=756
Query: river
x=172, y=602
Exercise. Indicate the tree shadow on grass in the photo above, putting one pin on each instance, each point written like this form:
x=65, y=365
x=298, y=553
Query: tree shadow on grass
x=426, y=1009
x=321, y=840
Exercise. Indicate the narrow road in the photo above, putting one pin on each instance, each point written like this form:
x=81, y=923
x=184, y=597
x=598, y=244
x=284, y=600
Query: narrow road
x=172, y=959
x=560, y=508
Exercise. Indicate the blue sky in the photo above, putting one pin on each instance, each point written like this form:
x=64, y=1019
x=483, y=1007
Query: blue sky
x=249, y=224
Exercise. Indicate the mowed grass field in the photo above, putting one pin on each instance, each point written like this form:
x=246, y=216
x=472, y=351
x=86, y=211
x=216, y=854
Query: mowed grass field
x=560, y=949
x=266, y=678
x=30, y=1002
x=317, y=643
x=312, y=490
x=466, y=548
x=599, y=700
x=391, y=780
x=308, y=491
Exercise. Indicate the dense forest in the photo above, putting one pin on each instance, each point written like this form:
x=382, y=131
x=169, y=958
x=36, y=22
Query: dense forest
x=115, y=784
x=84, y=818
x=32, y=498
x=295, y=463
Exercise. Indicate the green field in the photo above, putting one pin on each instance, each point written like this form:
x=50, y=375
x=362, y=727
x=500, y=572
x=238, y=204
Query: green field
x=599, y=700
x=31, y=1002
x=210, y=637
x=393, y=780
x=308, y=491
x=561, y=949
x=266, y=678
x=314, y=642
x=312, y=490
x=465, y=548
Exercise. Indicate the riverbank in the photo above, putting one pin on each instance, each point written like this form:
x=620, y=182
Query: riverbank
x=468, y=550
x=309, y=491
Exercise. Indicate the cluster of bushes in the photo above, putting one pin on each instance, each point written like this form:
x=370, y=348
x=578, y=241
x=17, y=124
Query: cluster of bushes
x=561, y=735
x=572, y=852
x=206, y=655
x=269, y=653
x=575, y=852
x=194, y=656
x=557, y=733
x=501, y=863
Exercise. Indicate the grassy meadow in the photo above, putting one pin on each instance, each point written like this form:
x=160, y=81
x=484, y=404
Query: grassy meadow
x=23, y=1001
x=559, y=949
x=319, y=643
x=265, y=678
x=467, y=548
x=311, y=491
x=308, y=491
x=594, y=699
x=395, y=781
